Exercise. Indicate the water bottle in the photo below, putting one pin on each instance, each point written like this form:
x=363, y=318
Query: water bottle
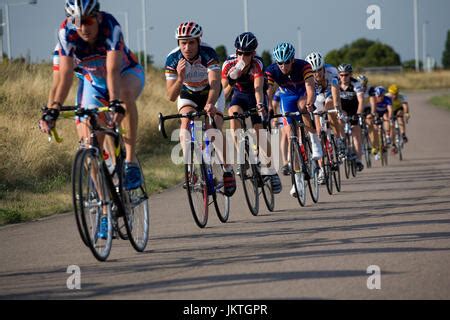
x=108, y=161
x=236, y=72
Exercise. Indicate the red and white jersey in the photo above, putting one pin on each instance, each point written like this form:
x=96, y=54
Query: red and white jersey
x=246, y=82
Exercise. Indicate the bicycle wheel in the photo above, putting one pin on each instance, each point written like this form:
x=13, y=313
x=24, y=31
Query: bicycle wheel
x=399, y=142
x=195, y=177
x=336, y=165
x=327, y=164
x=367, y=150
x=269, y=197
x=221, y=201
x=313, y=167
x=93, y=201
x=297, y=174
x=75, y=186
x=384, y=149
x=137, y=213
x=250, y=182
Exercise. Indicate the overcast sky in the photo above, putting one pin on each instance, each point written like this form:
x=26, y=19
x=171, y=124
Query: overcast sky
x=325, y=24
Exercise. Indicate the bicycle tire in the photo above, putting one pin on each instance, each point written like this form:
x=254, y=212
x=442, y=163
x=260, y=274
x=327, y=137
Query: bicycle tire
x=313, y=167
x=197, y=191
x=221, y=201
x=296, y=166
x=89, y=202
x=336, y=166
x=267, y=192
x=250, y=182
x=137, y=212
x=77, y=212
x=327, y=164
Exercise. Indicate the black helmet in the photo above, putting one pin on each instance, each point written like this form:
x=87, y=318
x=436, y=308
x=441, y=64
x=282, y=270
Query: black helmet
x=345, y=68
x=246, y=42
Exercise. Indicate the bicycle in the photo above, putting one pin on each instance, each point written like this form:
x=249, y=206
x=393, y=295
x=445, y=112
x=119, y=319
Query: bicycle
x=249, y=170
x=201, y=175
x=366, y=145
x=381, y=136
x=331, y=161
x=304, y=170
x=350, y=156
x=97, y=188
x=399, y=142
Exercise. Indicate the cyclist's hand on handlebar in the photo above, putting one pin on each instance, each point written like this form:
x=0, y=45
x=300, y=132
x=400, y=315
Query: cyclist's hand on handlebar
x=310, y=107
x=118, y=110
x=262, y=109
x=48, y=120
x=210, y=109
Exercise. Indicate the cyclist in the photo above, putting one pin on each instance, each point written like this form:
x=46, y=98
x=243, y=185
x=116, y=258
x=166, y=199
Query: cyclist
x=193, y=80
x=352, y=102
x=91, y=40
x=327, y=84
x=382, y=109
x=369, y=96
x=400, y=109
x=295, y=79
x=243, y=79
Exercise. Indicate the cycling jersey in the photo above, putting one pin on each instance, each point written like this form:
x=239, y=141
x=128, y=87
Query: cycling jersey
x=331, y=79
x=195, y=89
x=246, y=82
x=196, y=76
x=91, y=61
x=397, y=104
x=382, y=107
x=349, y=97
x=292, y=85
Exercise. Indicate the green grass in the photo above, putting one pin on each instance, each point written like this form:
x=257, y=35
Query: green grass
x=441, y=101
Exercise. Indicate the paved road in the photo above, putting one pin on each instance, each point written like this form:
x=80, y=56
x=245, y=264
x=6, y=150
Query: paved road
x=397, y=218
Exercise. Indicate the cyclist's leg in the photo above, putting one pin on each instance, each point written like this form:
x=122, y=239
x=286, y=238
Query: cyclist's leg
x=131, y=85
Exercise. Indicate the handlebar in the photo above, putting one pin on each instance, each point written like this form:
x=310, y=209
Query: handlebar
x=189, y=115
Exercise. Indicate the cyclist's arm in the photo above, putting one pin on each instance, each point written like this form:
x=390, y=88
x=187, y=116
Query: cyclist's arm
x=360, y=97
x=271, y=88
x=173, y=88
x=336, y=93
x=390, y=113
x=113, y=68
x=373, y=105
x=55, y=84
x=215, y=86
x=405, y=107
x=227, y=88
x=259, y=90
x=65, y=80
x=310, y=91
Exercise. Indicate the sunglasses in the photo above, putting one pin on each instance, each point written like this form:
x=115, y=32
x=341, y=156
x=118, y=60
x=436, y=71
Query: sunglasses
x=285, y=63
x=344, y=75
x=88, y=21
x=318, y=70
x=245, y=54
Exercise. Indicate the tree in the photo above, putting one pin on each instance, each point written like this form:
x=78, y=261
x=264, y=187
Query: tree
x=267, y=58
x=364, y=53
x=222, y=53
x=446, y=55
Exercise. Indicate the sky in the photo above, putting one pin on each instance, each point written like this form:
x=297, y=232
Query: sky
x=325, y=24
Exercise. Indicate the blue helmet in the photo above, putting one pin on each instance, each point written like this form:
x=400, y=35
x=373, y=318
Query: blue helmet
x=379, y=91
x=283, y=52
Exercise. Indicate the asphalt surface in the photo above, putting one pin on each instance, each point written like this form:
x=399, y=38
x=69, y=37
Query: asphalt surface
x=396, y=218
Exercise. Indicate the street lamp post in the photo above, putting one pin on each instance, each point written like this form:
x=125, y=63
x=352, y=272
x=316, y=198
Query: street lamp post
x=144, y=27
x=138, y=33
x=8, y=28
x=416, y=36
x=299, y=35
x=424, y=46
x=246, y=15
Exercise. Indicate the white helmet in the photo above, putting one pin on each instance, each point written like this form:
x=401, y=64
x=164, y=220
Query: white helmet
x=315, y=60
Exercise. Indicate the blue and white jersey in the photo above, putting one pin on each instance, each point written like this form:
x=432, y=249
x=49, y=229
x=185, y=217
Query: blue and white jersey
x=91, y=60
x=196, y=78
x=292, y=83
x=331, y=79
